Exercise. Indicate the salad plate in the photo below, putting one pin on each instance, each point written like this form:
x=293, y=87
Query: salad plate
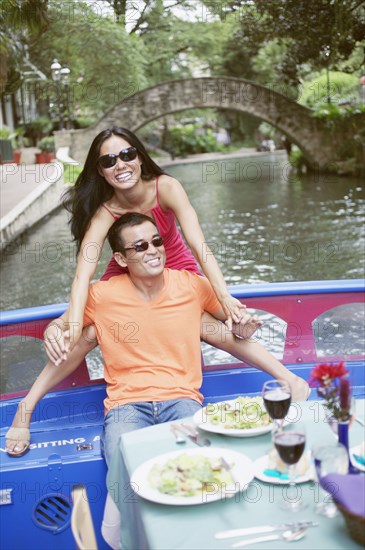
x=241, y=417
x=357, y=456
x=179, y=473
x=264, y=472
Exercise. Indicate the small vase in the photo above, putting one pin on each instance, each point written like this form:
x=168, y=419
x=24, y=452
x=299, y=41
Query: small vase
x=343, y=437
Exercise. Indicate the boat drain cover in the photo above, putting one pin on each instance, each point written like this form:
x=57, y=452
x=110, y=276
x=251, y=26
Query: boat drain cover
x=52, y=512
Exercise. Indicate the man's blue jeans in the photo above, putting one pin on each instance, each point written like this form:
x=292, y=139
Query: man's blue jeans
x=140, y=415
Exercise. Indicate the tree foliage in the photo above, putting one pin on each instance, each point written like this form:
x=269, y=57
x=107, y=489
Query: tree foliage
x=21, y=22
x=339, y=88
x=106, y=64
x=117, y=47
x=316, y=32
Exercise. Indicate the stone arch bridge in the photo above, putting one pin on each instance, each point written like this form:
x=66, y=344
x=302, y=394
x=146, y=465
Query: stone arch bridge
x=137, y=110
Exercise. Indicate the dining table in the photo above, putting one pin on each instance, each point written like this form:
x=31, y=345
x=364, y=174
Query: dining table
x=146, y=524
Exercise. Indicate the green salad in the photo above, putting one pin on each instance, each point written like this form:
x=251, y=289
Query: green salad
x=188, y=476
x=241, y=414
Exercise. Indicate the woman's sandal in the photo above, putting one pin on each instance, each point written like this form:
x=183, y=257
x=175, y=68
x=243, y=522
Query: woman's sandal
x=18, y=434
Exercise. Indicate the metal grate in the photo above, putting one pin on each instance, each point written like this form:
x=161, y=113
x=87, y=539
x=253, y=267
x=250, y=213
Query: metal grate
x=53, y=513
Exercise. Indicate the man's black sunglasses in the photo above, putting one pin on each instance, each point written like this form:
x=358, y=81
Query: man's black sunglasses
x=141, y=247
x=110, y=160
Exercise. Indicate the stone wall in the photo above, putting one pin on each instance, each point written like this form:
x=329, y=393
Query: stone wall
x=37, y=204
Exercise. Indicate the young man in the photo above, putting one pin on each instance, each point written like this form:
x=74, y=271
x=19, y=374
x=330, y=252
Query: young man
x=148, y=325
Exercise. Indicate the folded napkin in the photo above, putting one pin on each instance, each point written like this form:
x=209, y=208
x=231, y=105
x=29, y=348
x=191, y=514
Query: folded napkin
x=348, y=490
x=359, y=459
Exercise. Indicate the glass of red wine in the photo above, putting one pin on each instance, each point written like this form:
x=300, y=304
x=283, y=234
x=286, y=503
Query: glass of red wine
x=290, y=447
x=277, y=398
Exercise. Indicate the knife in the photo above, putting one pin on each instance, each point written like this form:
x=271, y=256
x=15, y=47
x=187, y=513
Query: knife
x=263, y=529
x=192, y=434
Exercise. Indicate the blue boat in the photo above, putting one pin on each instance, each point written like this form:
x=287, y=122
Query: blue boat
x=313, y=322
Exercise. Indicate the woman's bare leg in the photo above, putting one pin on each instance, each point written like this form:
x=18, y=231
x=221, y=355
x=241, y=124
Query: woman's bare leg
x=48, y=378
x=216, y=334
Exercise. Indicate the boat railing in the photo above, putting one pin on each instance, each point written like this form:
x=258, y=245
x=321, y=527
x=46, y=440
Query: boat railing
x=322, y=320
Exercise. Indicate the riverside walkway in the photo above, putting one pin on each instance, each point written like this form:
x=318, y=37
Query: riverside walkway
x=17, y=182
x=28, y=193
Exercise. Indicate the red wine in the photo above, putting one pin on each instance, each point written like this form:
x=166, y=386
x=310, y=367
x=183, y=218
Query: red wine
x=290, y=446
x=277, y=403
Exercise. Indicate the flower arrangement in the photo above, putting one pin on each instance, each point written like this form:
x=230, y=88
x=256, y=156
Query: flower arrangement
x=333, y=385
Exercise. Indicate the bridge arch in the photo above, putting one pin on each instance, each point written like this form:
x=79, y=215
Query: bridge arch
x=137, y=110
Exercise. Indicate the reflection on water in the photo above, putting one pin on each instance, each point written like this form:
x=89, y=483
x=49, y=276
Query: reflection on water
x=275, y=226
x=263, y=223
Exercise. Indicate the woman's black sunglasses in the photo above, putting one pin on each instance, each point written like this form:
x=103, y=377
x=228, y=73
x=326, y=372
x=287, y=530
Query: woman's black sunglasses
x=110, y=160
x=141, y=247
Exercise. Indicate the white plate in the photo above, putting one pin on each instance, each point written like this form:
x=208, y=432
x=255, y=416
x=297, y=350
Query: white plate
x=241, y=470
x=357, y=451
x=201, y=420
x=261, y=464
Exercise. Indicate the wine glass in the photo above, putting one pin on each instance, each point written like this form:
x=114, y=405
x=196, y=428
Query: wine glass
x=329, y=459
x=290, y=447
x=277, y=398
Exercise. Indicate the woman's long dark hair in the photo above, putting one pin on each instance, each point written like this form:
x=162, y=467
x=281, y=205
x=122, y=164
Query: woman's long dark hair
x=91, y=190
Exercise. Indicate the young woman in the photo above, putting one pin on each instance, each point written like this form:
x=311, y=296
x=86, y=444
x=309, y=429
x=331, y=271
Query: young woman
x=118, y=177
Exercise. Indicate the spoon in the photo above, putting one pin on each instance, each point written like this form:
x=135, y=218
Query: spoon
x=178, y=438
x=288, y=536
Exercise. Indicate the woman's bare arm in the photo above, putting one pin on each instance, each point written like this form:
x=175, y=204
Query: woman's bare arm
x=173, y=197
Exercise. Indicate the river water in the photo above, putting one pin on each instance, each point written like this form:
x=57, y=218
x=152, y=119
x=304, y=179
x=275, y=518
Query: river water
x=264, y=224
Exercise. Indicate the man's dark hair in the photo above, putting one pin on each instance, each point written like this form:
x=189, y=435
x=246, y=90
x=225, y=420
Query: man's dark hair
x=127, y=220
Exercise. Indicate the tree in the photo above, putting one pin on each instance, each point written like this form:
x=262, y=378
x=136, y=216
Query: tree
x=21, y=22
x=106, y=64
x=136, y=16
x=317, y=32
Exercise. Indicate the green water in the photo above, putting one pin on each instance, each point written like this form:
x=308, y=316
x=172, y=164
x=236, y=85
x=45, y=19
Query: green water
x=264, y=224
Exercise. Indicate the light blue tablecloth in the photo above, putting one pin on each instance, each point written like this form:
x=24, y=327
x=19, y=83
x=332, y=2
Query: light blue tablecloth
x=154, y=526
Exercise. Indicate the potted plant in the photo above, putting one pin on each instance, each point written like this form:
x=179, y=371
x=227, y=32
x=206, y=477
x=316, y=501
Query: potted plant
x=6, y=147
x=47, y=153
x=19, y=142
x=37, y=129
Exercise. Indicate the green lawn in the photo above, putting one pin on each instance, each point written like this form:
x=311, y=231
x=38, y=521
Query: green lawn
x=71, y=172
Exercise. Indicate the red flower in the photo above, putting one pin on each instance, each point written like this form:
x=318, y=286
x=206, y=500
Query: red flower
x=334, y=386
x=324, y=374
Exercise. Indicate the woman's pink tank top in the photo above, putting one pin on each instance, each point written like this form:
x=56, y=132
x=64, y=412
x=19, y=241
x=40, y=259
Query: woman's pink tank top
x=178, y=255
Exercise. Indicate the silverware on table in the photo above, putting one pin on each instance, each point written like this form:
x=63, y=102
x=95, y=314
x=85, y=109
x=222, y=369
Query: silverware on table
x=288, y=536
x=178, y=438
x=264, y=529
x=193, y=434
